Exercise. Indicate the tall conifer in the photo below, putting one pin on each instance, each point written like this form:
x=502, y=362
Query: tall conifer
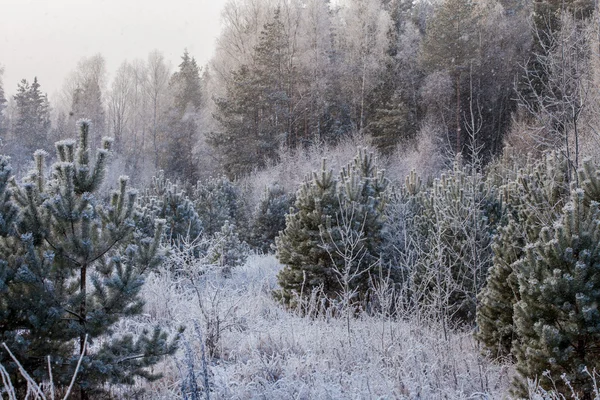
x=71, y=266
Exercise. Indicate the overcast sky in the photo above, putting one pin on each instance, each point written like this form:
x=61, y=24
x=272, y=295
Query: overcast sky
x=46, y=38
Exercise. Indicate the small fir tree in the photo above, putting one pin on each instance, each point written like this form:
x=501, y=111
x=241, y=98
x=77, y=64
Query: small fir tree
x=307, y=263
x=333, y=239
x=556, y=318
x=533, y=197
x=32, y=122
x=391, y=125
x=226, y=250
x=73, y=267
x=164, y=200
x=216, y=201
x=180, y=158
x=356, y=232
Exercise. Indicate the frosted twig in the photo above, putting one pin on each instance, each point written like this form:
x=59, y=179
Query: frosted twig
x=25, y=375
x=77, y=368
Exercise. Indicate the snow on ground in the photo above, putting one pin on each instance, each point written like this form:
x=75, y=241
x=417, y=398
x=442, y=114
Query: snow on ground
x=262, y=351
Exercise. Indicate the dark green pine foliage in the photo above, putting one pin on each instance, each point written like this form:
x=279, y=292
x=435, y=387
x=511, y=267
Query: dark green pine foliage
x=335, y=235
x=32, y=123
x=557, y=318
x=269, y=217
x=256, y=113
x=73, y=271
x=308, y=266
x=164, y=200
x=391, y=125
x=217, y=201
x=533, y=197
x=180, y=158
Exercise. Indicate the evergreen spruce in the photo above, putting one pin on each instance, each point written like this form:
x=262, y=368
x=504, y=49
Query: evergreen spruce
x=180, y=158
x=71, y=268
x=256, y=115
x=32, y=124
x=391, y=125
x=88, y=102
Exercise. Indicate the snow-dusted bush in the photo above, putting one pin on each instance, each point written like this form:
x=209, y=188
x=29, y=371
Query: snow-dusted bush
x=438, y=242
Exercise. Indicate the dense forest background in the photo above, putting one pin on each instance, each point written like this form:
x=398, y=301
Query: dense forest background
x=352, y=198
x=290, y=75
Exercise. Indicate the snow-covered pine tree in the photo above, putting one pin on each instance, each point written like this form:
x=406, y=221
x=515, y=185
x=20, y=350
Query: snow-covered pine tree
x=557, y=318
x=307, y=264
x=335, y=232
x=403, y=233
x=354, y=235
x=533, y=197
x=216, y=201
x=449, y=243
x=72, y=270
x=226, y=250
x=164, y=200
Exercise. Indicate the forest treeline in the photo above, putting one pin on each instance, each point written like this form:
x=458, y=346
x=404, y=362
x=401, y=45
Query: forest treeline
x=291, y=74
x=491, y=105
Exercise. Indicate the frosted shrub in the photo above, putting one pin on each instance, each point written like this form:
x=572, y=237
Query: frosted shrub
x=438, y=242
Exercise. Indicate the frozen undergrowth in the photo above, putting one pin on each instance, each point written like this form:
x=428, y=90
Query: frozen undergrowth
x=257, y=349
